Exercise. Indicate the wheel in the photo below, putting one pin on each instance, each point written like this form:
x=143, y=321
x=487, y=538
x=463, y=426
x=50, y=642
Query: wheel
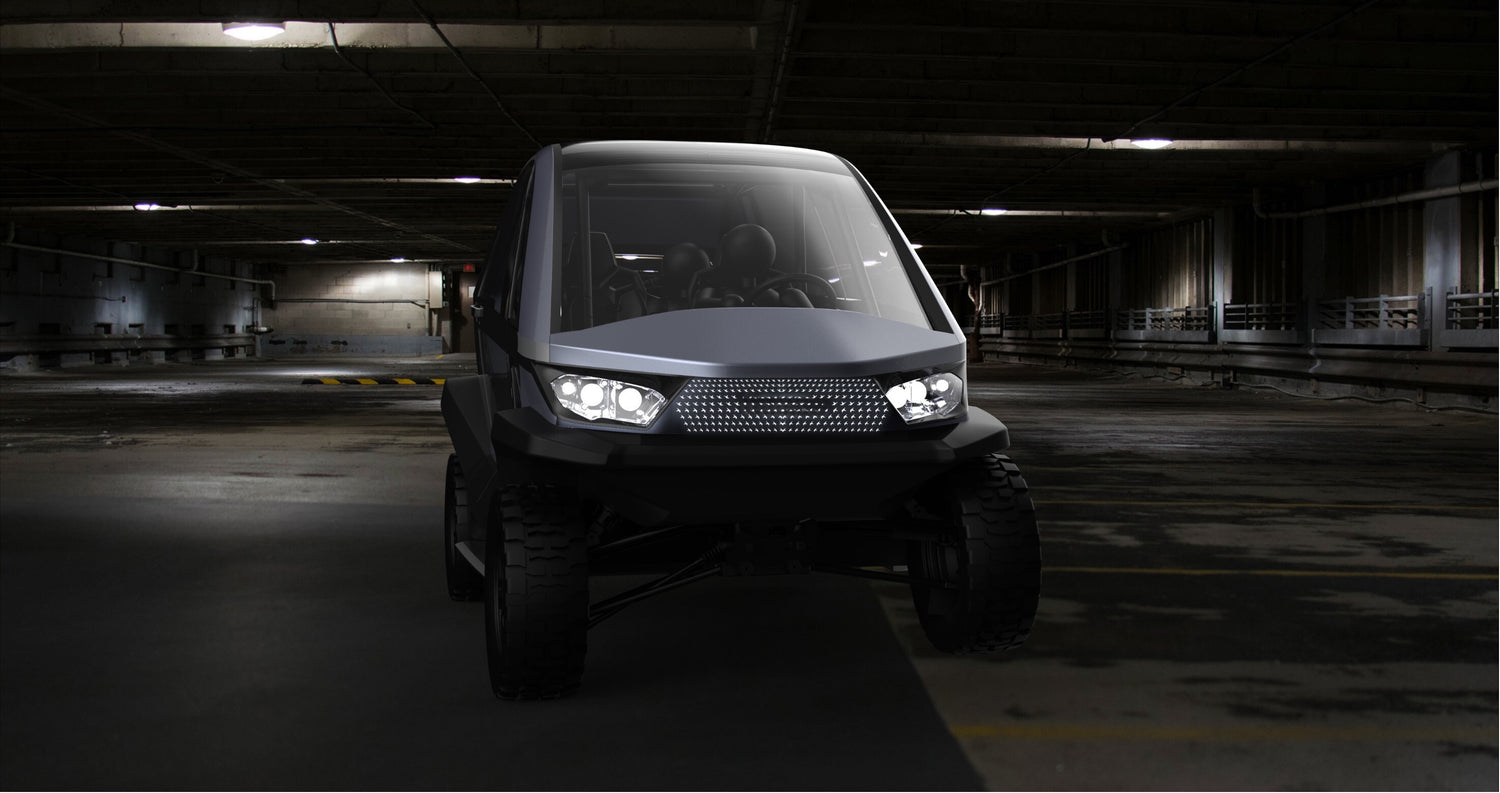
x=990, y=557
x=536, y=594
x=464, y=582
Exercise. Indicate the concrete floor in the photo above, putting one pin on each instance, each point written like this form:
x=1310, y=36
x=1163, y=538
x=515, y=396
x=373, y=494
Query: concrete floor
x=216, y=577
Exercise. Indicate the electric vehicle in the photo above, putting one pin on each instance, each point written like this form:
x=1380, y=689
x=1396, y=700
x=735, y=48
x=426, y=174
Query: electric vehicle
x=704, y=359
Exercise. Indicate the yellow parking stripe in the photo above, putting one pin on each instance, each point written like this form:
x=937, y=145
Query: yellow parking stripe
x=1182, y=571
x=366, y=381
x=1224, y=733
x=405, y=381
x=1270, y=504
x=329, y=380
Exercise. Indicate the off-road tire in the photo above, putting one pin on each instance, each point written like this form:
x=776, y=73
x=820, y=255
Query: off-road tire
x=464, y=582
x=992, y=553
x=536, y=593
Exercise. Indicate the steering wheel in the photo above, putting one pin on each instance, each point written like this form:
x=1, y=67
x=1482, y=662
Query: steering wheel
x=806, y=278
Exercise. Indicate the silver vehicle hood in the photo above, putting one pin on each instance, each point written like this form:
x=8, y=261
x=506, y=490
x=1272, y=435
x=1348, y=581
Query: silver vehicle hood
x=757, y=342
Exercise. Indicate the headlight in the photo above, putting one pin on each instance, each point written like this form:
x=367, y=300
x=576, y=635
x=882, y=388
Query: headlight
x=601, y=398
x=934, y=396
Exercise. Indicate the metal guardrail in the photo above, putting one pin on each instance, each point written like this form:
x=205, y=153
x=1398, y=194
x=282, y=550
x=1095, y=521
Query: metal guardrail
x=1401, y=312
x=1088, y=320
x=1188, y=318
x=1471, y=311
x=87, y=343
x=1470, y=320
x=1260, y=316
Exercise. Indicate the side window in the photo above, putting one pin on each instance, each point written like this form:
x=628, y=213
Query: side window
x=517, y=265
x=500, y=275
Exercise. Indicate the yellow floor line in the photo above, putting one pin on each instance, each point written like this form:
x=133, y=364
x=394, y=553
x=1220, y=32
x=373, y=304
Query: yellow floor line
x=1183, y=571
x=366, y=381
x=1228, y=733
x=1270, y=504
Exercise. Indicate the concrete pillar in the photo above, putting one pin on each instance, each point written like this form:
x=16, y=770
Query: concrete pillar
x=1314, y=261
x=1442, y=231
x=1036, y=287
x=1115, y=289
x=1070, y=300
x=1223, y=253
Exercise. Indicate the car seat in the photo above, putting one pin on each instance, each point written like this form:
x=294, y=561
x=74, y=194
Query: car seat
x=746, y=255
x=681, y=267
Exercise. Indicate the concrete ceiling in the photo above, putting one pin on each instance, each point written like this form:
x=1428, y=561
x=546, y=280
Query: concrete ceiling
x=947, y=107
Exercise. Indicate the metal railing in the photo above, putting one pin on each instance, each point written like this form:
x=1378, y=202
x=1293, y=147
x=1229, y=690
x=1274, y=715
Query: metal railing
x=1402, y=312
x=1188, y=318
x=1260, y=316
x=1088, y=320
x=1471, y=311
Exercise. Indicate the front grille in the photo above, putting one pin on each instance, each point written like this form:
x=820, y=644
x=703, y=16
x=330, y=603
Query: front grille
x=781, y=405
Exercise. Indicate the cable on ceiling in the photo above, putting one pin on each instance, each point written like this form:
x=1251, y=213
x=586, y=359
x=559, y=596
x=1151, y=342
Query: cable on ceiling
x=333, y=37
x=432, y=23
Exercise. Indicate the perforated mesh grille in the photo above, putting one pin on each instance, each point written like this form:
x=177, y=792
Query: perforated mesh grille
x=769, y=405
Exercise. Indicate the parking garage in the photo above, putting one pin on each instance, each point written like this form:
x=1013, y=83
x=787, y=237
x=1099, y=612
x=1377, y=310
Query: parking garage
x=1226, y=271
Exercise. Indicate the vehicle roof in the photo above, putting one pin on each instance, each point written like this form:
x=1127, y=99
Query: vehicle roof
x=619, y=152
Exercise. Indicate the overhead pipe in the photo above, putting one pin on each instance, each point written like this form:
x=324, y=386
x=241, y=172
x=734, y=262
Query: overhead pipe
x=1093, y=255
x=419, y=302
x=1402, y=198
x=11, y=243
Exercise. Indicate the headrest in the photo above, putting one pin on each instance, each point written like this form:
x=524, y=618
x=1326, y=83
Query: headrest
x=683, y=261
x=746, y=250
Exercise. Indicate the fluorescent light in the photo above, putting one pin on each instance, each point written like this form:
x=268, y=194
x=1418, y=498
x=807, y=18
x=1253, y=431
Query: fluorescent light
x=993, y=211
x=466, y=179
x=254, y=31
x=916, y=246
x=398, y=260
x=309, y=241
x=1151, y=143
x=144, y=207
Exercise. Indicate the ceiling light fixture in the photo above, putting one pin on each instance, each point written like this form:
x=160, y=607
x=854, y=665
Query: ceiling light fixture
x=254, y=31
x=1151, y=143
x=466, y=179
x=993, y=211
x=144, y=207
x=309, y=241
x=916, y=246
x=398, y=260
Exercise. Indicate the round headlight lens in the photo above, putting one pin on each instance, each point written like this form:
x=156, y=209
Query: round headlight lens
x=934, y=396
x=596, y=398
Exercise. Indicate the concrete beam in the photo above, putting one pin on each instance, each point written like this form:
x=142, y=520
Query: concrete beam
x=378, y=35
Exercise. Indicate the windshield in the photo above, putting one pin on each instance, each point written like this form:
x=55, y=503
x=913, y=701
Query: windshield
x=650, y=238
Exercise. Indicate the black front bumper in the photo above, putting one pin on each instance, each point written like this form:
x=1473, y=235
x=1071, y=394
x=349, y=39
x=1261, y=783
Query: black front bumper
x=659, y=479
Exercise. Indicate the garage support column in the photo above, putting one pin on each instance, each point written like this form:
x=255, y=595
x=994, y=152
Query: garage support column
x=1115, y=300
x=1441, y=228
x=1036, y=286
x=1223, y=227
x=1070, y=289
x=1314, y=262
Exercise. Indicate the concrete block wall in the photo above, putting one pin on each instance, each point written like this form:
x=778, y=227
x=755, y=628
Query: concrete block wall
x=358, y=309
x=65, y=309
